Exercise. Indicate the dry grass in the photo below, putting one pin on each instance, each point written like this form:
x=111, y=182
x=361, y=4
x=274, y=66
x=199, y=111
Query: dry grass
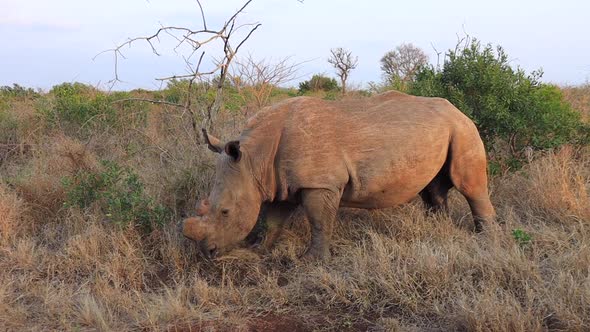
x=579, y=98
x=391, y=270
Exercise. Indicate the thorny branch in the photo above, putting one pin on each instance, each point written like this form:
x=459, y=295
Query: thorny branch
x=255, y=80
x=195, y=39
x=152, y=101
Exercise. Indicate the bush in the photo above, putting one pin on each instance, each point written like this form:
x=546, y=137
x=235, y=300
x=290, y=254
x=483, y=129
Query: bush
x=176, y=91
x=17, y=92
x=8, y=128
x=79, y=106
x=202, y=94
x=504, y=103
x=318, y=82
x=331, y=95
x=11, y=95
x=77, y=103
x=118, y=192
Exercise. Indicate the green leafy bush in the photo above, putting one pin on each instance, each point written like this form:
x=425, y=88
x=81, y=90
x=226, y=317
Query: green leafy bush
x=318, y=82
x=78, y=103
x=202, y=94
x=77, y=106
x=118, y=192
x=176, y=91
x=504, y=103
x=232, y=100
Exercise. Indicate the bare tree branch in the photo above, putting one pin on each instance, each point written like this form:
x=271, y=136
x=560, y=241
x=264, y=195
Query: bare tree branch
x=195, y=39
x=401, y=65
x=437, y=55
x=202, y=15
x=255, y=80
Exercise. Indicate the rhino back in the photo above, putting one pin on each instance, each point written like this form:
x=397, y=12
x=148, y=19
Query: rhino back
x=378, y=152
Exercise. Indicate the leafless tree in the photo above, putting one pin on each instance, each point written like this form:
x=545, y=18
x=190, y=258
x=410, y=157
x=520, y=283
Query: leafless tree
x=190, y=44
x=401, y=65
x=344, y=62
x=255, y=80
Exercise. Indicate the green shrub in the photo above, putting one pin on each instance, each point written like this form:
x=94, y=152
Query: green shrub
x=77, y=103
x=176, y=91
x=8, y=128
x=77, y=106
x=331, y=95
x=118, y=192
x=17, y=92
x=504, y=103
x=232, y=100
x=521, y=237
x=318, y=82
x=202, y=94
x=293, y=93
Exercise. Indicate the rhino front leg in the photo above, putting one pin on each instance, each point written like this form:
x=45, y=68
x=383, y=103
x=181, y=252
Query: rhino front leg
x=277, y=215
x=320, y=207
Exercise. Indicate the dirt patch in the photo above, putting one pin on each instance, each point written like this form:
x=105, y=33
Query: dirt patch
x=283, y=322
x=278, y=323
x=267, y=323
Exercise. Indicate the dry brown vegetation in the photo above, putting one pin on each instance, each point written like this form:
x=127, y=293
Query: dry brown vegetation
x=65, y=268
x=579, y=98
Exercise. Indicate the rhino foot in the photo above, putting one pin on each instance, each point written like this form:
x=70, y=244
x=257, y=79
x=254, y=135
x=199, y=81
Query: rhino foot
x=316, y=254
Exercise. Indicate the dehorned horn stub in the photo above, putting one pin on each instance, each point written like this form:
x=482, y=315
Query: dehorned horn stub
x=203, y=208
x=195, y=228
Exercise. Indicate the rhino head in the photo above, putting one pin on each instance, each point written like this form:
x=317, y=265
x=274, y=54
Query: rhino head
x=230, y=212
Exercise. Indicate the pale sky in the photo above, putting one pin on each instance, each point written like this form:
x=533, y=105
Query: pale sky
x=43, y=43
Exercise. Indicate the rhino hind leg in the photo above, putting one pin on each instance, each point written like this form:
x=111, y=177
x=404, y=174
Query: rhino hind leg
x=468, y=172
x=320, y=206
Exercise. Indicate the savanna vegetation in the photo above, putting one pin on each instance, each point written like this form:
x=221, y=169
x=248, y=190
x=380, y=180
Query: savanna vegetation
x=94, y=183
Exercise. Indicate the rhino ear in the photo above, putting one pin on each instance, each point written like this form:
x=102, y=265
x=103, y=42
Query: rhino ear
x=232, y=149
x=213, y=142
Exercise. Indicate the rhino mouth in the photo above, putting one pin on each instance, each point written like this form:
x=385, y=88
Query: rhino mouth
x=210, y=252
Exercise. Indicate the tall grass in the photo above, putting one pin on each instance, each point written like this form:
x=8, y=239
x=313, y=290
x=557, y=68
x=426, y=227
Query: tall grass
x=69, y=268
x=579, y=98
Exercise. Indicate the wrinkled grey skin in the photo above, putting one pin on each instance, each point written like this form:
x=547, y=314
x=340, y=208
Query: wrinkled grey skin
x=371, y=153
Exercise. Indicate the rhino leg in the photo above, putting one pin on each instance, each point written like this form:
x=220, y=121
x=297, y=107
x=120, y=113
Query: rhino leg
x=436, y=192
x=469, y=175
x=482, y=210
x=256, y=236
x=277, y=215
x=320, y=207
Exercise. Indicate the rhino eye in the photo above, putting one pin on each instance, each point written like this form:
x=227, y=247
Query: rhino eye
x=225, y=212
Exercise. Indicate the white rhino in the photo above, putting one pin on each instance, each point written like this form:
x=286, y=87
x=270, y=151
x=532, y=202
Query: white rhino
x=373, y=153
